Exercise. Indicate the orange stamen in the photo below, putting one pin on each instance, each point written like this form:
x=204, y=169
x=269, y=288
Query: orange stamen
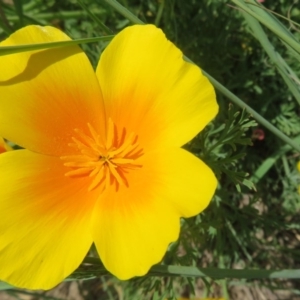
x=106, y=161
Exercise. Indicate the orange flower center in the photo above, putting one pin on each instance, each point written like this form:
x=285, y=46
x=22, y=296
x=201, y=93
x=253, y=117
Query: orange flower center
x=106, y=162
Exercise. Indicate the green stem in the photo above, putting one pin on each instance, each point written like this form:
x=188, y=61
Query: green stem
x=223, y=273
x=124, y=11
x=215, y=273
x=23, y=48
x=159, y=13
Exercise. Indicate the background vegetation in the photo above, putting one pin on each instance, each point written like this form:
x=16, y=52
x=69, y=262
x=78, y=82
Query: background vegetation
x=253, y=220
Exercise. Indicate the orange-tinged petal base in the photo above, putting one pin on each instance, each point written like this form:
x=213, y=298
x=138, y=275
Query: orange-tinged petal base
x=152, y=91
x=45, y=220
x=134, y=226
x=46, y=94
x=3, y=146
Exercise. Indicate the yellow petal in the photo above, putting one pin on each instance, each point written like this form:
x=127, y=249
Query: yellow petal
x=46, y=94
x=134, y=225
x=149, y=89
x=45, y=220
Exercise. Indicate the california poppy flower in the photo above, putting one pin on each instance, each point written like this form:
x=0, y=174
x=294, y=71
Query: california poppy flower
x=102, y=161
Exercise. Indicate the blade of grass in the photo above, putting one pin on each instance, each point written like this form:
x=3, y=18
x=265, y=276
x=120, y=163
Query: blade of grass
x=293, y=52
x=123, y=11
x=4, y=21
x=215, y=273
x=286, y=166
x=94, y=17
x=35, y=21
x=237, y=239
x=4, y=27
x=259, y=34
x=19, y=10
x=95, y=269
x=31, y=5
x=221, y=264
x=159, y=13
x=130, y=16
x=268, y=20
x=275, y=23
x=23, y=48
x=270, y=17
x=273, y=12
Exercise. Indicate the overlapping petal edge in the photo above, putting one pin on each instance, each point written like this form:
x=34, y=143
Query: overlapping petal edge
x=3, y=146
x=103, y=163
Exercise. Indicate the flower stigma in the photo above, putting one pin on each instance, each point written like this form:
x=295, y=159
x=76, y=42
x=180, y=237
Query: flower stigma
x=108, y=161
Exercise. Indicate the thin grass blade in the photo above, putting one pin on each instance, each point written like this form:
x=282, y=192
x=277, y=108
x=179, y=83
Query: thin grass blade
x=268, y=20
x=19, y=10
x=94, y=17
x=290, y=78
x=97, y=269
x=123, y=11
x=23, y=48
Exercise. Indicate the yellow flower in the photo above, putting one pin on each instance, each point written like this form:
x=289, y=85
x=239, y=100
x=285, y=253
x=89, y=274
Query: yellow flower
x=102, y=161
x=3, y=146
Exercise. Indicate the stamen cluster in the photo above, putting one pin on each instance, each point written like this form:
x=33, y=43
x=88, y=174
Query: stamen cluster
x=106, y=161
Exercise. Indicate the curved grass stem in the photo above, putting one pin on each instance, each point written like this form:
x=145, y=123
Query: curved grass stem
x=214, y=273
